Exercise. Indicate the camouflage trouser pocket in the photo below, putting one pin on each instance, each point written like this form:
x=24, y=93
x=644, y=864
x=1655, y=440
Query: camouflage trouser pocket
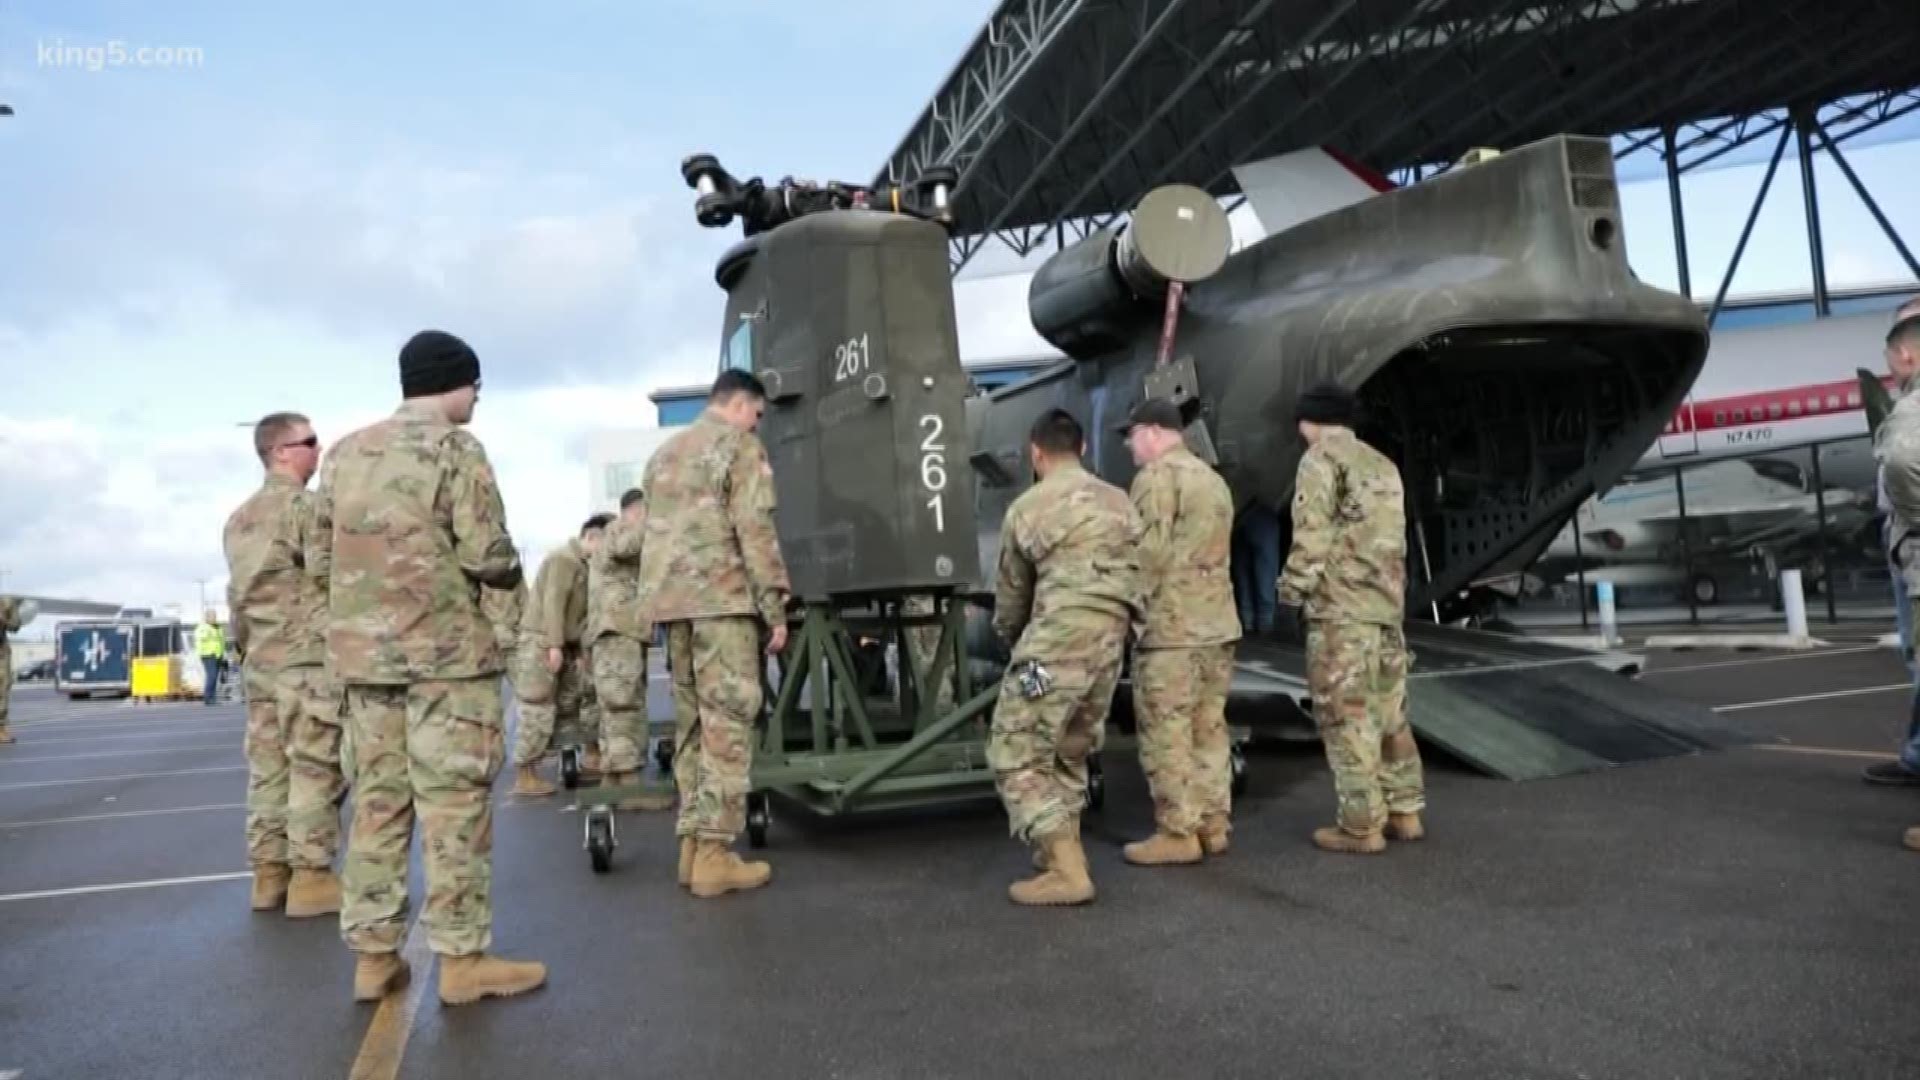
x=532, y=682
x=463, y=732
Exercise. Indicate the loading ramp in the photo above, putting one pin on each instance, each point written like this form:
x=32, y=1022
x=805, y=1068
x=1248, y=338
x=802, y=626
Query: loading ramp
x=1516, y=708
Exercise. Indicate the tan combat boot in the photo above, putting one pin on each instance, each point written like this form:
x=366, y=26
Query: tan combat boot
x=646, y=800
x=528, y=782
x=270, y=886
x=1911, y=839
x=1341, y=840
x=313, y=892
x=1405, y=827
x=1213, y=834
x=466, y=979
x=377, y=974
x=1065, y=881
x=6, y=736
x=687, y=847
x=717, y=870
x=1164, y=849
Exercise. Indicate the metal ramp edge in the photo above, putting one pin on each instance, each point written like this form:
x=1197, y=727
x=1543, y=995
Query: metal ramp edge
x=1518, y=709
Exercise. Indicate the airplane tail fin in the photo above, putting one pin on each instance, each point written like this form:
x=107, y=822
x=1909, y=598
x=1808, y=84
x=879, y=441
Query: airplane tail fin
x=1287, y=189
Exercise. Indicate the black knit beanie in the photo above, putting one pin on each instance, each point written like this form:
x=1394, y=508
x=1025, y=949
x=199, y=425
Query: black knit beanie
x=1327, y=403
x=434, y=362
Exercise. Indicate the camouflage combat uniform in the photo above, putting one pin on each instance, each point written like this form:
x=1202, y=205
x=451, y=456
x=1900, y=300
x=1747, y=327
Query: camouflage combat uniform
x=1347, y=568
x=711, y=572
x=1897, y=446
x=556, y=709
x=279, y=610
x=1183, y=660
x=617, y=640
x=1068, y=587
x=408, y=525
x=10, y=621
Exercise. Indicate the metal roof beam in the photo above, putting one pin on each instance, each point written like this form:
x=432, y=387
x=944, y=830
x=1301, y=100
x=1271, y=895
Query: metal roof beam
x=1308, y=100
x=1246, y=97
x=1167, y=102
x=1109, y=82
x=1503, y=24
x=1746, y=233
x=1679, y=42
x=1866, y=197
x=963, y=121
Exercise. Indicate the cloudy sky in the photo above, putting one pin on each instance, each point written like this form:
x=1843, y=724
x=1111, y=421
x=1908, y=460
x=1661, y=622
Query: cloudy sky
x=191, y=245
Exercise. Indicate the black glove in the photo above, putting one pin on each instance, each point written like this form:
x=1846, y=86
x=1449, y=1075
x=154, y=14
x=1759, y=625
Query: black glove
x=1290, y=623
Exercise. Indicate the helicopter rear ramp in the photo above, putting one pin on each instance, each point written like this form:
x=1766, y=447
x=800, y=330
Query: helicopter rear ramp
x=1515, y=708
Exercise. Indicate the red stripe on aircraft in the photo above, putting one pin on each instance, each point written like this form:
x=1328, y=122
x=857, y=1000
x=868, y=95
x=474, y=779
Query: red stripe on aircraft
x=1767, y=406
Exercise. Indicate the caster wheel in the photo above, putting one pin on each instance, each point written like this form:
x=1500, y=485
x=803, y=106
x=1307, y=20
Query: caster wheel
x=600, y=842
x=1237, y=766
x=759, y=817
x=570, y=767
x=1096, y=783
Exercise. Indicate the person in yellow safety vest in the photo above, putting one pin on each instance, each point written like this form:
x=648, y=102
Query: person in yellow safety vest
x=210, y=642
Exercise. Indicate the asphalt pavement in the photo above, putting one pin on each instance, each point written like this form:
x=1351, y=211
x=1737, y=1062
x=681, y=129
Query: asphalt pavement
x=1739, y=914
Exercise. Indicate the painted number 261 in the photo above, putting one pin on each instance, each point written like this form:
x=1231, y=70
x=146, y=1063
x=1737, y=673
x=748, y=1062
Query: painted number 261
x=851, y=357
x=933, y=469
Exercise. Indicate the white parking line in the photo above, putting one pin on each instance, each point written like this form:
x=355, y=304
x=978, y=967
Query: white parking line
x=120, y=814
x=10, y=759
x=1890, y=687
x=110, y=736
x=1815, y=655
x=47, y=894
x=135, y=723
x=123, y=776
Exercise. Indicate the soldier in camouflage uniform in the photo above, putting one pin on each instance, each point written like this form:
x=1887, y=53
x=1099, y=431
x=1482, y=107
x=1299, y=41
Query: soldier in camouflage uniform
x=554, y=684
x=14, y=614
x=408, y=529
x=711, y=572
x=1067, y=588
x=1897, y=445
x=293, y=718
x=617, y=641
x=1346, y=575
x=1183, y=660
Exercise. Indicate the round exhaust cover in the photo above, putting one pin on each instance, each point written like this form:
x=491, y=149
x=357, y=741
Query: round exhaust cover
x=1180, y=233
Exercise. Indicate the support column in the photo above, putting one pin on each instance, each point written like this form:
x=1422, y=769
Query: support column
x=1866, y=198
x=1803, y=134
x=1679, y=214
x=1746, y=233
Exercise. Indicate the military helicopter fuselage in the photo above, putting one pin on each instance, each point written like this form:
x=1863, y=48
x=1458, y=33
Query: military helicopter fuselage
x=1505, y=355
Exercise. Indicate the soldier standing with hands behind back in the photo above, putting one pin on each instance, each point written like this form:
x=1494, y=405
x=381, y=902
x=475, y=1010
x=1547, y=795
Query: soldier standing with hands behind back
x=1346, y=578
x=1067, y=589
x=1183, y=661
x=278, y=609
x=408, y=529
x=712, y=573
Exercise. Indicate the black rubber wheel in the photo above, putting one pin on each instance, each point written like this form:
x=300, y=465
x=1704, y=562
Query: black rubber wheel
x=600, y=840
x=759, y=817
x=1237, y=767
x=1096, y=783
x=663, y=754
x=570, y=768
